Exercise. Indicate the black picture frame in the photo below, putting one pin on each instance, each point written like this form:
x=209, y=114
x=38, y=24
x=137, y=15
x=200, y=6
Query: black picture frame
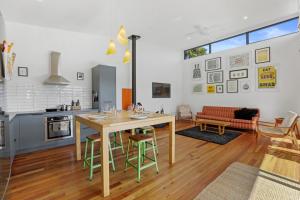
x=210, y=72
x=232, y=71
x=237, y=86
x=219, y=67
x=221, y=86
x=21, y=72
x=80, y=76
x=269, y=50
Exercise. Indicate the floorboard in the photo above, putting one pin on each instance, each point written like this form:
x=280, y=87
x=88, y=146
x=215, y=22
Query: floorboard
x=55, y=173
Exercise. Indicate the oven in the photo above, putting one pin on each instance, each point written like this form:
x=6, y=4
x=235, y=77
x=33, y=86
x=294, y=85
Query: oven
x=58, y=127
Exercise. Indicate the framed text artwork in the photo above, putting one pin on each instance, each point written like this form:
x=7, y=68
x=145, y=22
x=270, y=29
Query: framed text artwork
x=196, y=72
x=211, y=89
x=238, y=74
x=215, y=77
x=241, y=60
x=219, y=88
x=267, y=77
x=262, y=55
x=213, y=64
x=232, y=86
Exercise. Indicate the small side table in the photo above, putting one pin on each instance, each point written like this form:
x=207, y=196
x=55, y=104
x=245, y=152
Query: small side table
x=278, y=121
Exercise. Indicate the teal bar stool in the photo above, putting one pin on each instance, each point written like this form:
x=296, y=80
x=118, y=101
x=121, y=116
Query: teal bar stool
x=139, y=141
x=89, y=160
x=150, y=130
x=115, y=144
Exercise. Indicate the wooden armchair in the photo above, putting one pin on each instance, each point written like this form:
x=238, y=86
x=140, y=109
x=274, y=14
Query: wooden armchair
x=184, y=112
x=287, y=129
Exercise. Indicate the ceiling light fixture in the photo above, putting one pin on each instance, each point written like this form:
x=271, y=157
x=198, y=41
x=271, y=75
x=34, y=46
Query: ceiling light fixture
x=127, y=56
x=188, y=37
x=40, y=1
x=111, y=48
x=245, y=17
x=122, y=38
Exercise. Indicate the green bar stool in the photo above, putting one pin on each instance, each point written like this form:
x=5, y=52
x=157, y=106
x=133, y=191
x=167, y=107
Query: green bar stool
x=140, y=140
x=117, y=145
x=150, y=130
x=89, y=160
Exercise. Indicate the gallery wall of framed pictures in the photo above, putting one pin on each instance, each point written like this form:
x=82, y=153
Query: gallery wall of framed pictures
x=243, y=72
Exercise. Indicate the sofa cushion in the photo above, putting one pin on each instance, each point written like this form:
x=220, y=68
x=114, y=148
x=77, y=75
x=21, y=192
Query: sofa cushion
x=219, y=111
x=213, y=117
x=245, y=113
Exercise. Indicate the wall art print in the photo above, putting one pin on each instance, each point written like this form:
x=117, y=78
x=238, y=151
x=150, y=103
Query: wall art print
x=267, y=77
x=241, y=60
x=196, y=72
x=198, y=88
x=213, y=64
x=211, y=89
x=232, y=86
x=238, y=74
x=215, y=77
x=262, y=55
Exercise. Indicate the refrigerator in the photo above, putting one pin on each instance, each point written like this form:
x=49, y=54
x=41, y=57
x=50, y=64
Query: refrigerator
x=103, y=87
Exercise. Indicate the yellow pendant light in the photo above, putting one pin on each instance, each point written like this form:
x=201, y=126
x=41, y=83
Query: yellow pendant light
x=122, y=38
x=127, y=56
x=111, y=48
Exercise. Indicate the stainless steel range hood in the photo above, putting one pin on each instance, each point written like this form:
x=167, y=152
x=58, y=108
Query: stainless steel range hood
x=55, y=78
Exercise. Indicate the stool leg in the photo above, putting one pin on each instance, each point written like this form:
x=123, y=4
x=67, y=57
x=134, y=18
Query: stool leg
x=154, y=154
x=155, y=141
x=85, y=153
x=92, y=161
x=111, y=157
x=139, y=162
x=126, y=160
x=115, y=139
x=121, y=141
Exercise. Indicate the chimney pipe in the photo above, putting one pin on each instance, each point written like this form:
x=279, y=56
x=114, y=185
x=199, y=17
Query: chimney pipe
x=134, y=38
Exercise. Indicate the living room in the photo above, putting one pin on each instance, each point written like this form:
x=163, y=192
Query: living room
x=194, y=100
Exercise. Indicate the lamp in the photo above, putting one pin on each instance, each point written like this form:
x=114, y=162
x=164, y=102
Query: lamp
x=111, y=48
x=122, y=36
x=127, y=56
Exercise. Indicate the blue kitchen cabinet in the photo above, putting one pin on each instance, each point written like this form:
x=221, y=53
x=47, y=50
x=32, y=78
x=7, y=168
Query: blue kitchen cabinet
x=14, y=136
x=31, y=132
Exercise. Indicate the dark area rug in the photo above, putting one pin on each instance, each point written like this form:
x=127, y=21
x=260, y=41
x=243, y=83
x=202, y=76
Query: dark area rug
x=209, y=136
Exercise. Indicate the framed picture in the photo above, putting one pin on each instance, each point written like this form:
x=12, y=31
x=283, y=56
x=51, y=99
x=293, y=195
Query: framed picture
x=211, y=89
x=241, y=60
x=232, y=86
x=80, y=76
x=198, y=88
x=213, y=64
x=215, y=77
x=238, y=74
x=196, y=72
x=267, y=77
x=23, y=71
x=219, y=88
x=245, y=86
x=262, y=55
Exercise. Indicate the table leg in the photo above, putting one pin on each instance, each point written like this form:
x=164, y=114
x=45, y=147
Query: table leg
x=133, y=131
x=220, y=130
x=78, y=142
x=172, y=141
x=105, y=162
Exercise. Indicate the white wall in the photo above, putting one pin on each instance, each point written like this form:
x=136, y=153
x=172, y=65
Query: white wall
x=158, y=64
x=79, y=53
x=284, y=54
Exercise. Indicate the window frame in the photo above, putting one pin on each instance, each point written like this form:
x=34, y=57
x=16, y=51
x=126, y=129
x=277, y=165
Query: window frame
x=247, y=37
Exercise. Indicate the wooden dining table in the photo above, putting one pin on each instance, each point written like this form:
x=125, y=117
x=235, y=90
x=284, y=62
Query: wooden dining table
x=106, y=123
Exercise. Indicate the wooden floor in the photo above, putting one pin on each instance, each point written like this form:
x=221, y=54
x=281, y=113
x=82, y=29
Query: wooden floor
x=55, y=174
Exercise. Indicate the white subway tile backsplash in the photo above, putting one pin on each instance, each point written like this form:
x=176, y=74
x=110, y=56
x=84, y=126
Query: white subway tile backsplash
x=30, y=96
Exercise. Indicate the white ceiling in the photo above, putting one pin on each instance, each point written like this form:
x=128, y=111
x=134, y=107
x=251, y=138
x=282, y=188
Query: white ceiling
x=175, y=23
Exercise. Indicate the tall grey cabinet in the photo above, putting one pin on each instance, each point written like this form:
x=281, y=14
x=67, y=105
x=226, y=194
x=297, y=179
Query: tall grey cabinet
x=103, y=87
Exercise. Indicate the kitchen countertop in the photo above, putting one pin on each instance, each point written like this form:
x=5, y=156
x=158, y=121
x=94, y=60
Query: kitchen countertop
x=11, y=115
